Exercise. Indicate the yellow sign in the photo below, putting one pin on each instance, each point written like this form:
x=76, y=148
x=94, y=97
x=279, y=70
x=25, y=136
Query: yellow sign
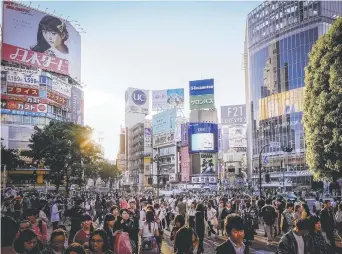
x=281, y=104
x=147, y=160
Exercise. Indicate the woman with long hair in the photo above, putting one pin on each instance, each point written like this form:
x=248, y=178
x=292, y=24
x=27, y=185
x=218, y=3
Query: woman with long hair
x=306, y=211
x=57, y=243
x=317, y=241
x=148, y=232
x=51, y=37
x=98, y=243
x=125, y=224
x=83, y=235
x=28, y=243
x=108, y=225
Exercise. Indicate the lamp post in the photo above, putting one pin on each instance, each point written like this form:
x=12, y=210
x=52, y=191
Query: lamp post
x=34, y=174
x=285, y=150
x=260, y=166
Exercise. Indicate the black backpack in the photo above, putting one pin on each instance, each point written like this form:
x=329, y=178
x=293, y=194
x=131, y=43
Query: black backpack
x=268, y=214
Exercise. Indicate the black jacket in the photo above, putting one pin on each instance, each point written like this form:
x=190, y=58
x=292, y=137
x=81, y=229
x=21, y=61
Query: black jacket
x=227, y=247
x=327, y=220
x=288, y=244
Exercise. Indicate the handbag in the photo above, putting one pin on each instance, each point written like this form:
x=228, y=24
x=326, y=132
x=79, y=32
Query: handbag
x=214, y=222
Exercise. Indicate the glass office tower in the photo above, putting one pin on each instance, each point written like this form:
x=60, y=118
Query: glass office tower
x=279, y=36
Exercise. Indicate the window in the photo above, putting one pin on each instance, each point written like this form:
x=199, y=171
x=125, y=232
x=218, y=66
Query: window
x=26, y=119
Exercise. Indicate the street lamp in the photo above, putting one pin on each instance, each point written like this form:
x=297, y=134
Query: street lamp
x=260, y=165
x=34, y=175
x=286, y=150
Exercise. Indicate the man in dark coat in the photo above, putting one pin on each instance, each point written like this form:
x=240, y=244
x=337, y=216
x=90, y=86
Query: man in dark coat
x=328, y=222
x=235, y=229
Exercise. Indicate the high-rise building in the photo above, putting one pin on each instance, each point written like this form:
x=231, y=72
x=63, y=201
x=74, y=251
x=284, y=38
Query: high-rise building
x=279, y=37
x=40, y=80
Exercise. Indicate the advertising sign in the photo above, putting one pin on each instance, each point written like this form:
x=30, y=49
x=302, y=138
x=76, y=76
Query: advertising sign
x=164, y=121
x=23, y=91
x=162, y=99
x=21, y=112
x=202, y=102
x=61, y=86
x=21, y=76
x=235, y=114
x=237, y=136
x=34, y=100
x=208, y=163
x=163, y=139
x=201, y=87
x=203, y=137
x=147, y=137
x=57, y=98
x=184, y=134
x=34, y=38
x=204, y=180
x=185, y=161
x=77, y=105
x=137, y=101
x=16, y=105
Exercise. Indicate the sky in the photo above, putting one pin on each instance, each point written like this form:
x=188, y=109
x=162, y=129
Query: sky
x=154, y=45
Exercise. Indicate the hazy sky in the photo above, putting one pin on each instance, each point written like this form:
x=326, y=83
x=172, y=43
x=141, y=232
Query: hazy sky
x=154, y=45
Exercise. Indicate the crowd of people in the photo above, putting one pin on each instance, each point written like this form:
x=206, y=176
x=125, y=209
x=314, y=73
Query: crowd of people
x=121, y=224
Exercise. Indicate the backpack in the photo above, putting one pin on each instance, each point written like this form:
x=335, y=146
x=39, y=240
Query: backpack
x=268, y=215
x=149, y=245
x=122, y=244
x=338, y=216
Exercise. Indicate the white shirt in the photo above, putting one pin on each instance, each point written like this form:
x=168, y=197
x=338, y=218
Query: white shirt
x=300, y=243
x=211, y=213
x=54, y=213
x=145, y=231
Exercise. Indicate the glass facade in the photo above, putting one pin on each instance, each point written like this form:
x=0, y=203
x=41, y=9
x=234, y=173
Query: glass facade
x=280, y=36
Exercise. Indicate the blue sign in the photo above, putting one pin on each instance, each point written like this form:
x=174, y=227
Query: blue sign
x=201, y=87
x=164, y=121
x=44, y=80
x=203, y=137
x=139, y=97
x=21, y=112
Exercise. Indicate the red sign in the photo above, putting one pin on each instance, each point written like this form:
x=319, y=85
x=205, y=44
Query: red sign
x=23, y=91
x=34, y=100
x=28, y=57
x=56, y=98
x=15, y=105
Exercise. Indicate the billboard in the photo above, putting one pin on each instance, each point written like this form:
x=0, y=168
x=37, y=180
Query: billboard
x=203, y=137
x=18, y=105
x=137, y=101
x=23, y=91
x=147, y=137
x=34, y=100
x=77, y=105
x=201, y=87
x=162, y=99
x=281, y=104
x=208, y=163
x=164, y=121
x=163, y=139
x=185, y=164
x=235, y=114
x=22, y=112
x=237, y=136
x=184, y=134
x=34, y=38
x=24, y=77
x=61, y=85
x=202, y=102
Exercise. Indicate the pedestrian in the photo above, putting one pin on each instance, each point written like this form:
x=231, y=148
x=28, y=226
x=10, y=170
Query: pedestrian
x=317, y=242
x=148, y=232
x=38, y=226
x=268, y=214
x=27, y=243
x=211, y=219
x=235, y=230
x=98, y=243
x=83, y=235
x=328, y=223
x=55, y=215
x=295, y=241
x=200, y=226
x=287, y=219
x=57, y=243
x=75, y=248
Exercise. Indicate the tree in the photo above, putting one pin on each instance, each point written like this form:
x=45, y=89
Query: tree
x=323, y=105
x=108, y=171
x=10, y=158
x=65, y=148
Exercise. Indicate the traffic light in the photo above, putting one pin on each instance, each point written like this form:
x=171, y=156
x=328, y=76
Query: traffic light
x=267, y=178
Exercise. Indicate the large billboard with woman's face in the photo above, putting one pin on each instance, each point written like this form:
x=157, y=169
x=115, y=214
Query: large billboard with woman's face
x=41, y=40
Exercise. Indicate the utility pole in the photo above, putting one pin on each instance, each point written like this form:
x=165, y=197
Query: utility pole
x=5, y=178
x=260, y=166
x=286, y=150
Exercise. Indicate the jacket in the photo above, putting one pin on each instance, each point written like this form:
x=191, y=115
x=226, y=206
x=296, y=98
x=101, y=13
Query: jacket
x=227, y=247
x=327, y=220
x=288, y=244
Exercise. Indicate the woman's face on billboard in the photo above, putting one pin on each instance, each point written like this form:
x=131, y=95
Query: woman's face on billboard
x=52, y=38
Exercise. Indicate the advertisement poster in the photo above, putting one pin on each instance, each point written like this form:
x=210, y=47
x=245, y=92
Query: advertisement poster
x=235, y=114
x=237, y=136
x=17, y=105
x=201, y=87
x=137, y=101
x=77, y=105
x=185, y=164
x=61, y=85
x=208, y=163
x=23, y=91
x=20, y=76
x=163, y=139
x=184, y=134
x=202, y=102
x=163, y=99
x=164, y=121
x=203, y=137
x=147, y=137
x=34, y=38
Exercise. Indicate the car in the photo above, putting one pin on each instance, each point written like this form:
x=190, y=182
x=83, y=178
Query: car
x=287, y=196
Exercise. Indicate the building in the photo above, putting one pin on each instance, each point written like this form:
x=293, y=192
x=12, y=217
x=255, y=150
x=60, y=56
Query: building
x=36, y=87
x=279, y=36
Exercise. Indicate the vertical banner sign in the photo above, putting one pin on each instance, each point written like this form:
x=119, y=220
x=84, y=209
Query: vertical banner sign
x=208, y=163
x=184, y=134
x=202, y=94
x=34, y=38
x=77, y=106
x=185, y=164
